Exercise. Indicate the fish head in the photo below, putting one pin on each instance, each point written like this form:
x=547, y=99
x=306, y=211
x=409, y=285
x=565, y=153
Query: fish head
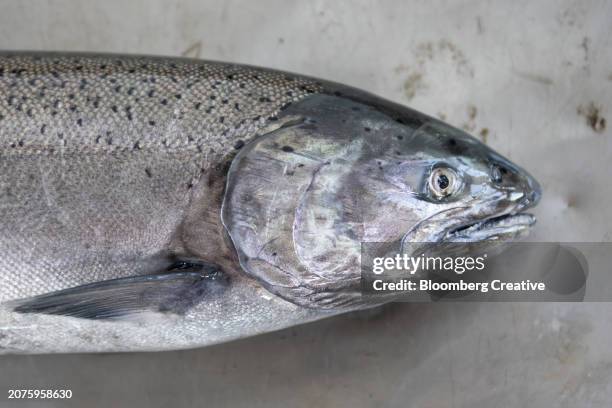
x=337, y=172
x=441, y=184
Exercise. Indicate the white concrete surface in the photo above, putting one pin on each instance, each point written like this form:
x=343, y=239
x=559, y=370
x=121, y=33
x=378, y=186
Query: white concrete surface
x=533, y=79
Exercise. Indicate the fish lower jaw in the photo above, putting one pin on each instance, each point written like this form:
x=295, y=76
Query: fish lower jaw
x=497, y=228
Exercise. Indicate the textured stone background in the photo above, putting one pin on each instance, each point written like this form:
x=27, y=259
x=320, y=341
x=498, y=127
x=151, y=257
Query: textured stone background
x=532, y=79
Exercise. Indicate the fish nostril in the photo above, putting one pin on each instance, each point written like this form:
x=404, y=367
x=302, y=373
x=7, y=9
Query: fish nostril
x=523, y=188
x=496, y=174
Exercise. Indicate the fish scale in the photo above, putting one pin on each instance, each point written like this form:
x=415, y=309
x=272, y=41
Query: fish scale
x=91, y=103
x=101, y=152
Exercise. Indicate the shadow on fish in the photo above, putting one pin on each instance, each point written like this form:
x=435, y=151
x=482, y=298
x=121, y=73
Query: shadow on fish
x=154, y=203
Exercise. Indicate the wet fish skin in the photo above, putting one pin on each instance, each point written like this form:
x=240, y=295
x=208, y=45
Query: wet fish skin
x=127, y=138
x=114, y=169
x=114, y=166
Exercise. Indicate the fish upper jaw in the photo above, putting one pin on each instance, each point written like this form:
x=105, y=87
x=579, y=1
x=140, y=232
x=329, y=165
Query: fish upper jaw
x=444, y=227
x=502, y=228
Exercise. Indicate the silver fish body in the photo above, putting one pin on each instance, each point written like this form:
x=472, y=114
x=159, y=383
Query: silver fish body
x=155, y=203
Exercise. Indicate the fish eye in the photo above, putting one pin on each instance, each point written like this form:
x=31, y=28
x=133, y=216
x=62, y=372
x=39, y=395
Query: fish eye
x=443, y=182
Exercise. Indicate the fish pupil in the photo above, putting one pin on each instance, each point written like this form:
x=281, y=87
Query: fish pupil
x=443, y=182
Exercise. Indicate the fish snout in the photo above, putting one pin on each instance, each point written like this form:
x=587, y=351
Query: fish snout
x=522, y=187
x=533, y=192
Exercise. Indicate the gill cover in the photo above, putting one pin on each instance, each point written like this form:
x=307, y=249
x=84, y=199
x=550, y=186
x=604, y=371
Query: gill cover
x=291, y=205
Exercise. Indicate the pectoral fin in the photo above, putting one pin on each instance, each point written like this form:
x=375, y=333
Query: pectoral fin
x=173, y=292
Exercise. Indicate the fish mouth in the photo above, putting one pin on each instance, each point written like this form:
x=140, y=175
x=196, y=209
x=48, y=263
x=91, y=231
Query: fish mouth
x=470, y=225
x=494, y=228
